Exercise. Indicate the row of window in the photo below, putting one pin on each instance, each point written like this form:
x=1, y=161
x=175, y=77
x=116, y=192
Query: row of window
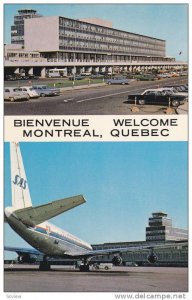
x=155, y=238
x=28, y=55
x=84, y=37
x=156, y=232
x=112, y=38
x=102, y=30
x=155, y=228
x=108, y=48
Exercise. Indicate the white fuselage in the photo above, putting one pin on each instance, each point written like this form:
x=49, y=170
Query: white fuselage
x=47, y=238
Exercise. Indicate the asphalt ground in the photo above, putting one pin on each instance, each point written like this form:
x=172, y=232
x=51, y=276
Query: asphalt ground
x=99, y=100
x=118, y=279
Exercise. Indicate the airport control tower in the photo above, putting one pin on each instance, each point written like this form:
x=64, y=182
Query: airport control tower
x=17, y=30
x=160, y=229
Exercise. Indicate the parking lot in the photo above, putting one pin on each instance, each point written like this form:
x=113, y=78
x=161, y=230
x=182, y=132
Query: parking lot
x=98, y=100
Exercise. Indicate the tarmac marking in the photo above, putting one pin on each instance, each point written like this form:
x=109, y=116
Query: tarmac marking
x=104, y=96
x=66, y=100
x=114, y=94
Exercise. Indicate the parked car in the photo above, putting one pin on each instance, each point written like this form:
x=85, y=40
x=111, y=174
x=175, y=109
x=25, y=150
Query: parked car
x=174, y=91
x=14, y=94
x=45, y=90
x=146, y=77
x=117, y=80
x=156, y=96
x=97, y=76
x=164, y=75
x=174, y=74
x=12, y=77
x=86, y=74
x=102, y=266
x=178, y=88
x=184, y=73
x=30, y=91
x=32, y=76
x=76, y=77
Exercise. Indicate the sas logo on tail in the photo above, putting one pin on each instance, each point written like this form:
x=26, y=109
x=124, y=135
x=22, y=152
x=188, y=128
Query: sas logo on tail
x=20, y=181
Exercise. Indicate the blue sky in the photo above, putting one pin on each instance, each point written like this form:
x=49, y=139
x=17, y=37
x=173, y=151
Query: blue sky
x=164, y=21
x=123, y=184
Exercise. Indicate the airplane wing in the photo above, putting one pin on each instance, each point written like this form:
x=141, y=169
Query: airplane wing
x=38, y=214
x=20, y=250
x=136, y=248
x=93, y=253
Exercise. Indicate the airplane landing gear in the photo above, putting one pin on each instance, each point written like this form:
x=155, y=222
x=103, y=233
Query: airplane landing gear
x=84, y=267
x=44, y=265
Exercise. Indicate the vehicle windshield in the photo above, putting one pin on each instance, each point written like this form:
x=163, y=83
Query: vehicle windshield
x=168, y=93
x=174, y=90
x=181, y=88
x=17, y=90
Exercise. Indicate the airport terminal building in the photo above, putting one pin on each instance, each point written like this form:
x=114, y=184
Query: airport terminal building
x=80, y=45
x=64, y=39
x=158, y=231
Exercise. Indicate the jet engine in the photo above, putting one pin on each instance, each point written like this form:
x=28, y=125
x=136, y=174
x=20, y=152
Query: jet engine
x=152, y=258
x=26, y=258
x=117, y=260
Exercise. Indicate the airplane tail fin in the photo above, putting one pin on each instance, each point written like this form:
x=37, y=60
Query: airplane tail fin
x=20, y=190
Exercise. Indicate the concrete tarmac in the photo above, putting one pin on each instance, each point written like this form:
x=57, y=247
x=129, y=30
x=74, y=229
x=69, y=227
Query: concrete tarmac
x=118, y=279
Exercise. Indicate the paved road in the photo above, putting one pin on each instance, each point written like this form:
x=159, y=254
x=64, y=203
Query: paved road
x=104, y=100
x=118, y=279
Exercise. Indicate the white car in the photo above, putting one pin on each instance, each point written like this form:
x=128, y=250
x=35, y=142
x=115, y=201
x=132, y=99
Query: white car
x=14, y=94
x=102, y=266
x=174, y=91
x=30, y=91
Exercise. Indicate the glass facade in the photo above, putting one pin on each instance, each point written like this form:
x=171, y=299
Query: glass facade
x=80, y=36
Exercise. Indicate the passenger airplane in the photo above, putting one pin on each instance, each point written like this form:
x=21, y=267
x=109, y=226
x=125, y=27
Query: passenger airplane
x=48, y=240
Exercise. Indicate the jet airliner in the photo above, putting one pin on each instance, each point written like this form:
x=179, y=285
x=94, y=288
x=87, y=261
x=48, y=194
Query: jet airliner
x=47, y=240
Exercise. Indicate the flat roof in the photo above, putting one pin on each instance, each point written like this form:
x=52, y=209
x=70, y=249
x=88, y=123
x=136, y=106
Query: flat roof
x=160, y=214
x=27, y=10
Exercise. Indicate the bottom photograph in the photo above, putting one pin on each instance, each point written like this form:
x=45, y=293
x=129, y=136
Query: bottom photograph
x=96, y=217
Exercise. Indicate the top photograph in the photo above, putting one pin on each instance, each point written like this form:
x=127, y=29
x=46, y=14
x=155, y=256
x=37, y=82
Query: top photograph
x=95, y=59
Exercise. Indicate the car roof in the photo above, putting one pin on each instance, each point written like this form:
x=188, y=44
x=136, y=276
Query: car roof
x=40, y=85
x=12, y=87
x=153, y=90
x=26, y=86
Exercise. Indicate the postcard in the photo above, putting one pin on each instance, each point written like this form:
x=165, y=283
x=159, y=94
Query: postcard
x=96, y=150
